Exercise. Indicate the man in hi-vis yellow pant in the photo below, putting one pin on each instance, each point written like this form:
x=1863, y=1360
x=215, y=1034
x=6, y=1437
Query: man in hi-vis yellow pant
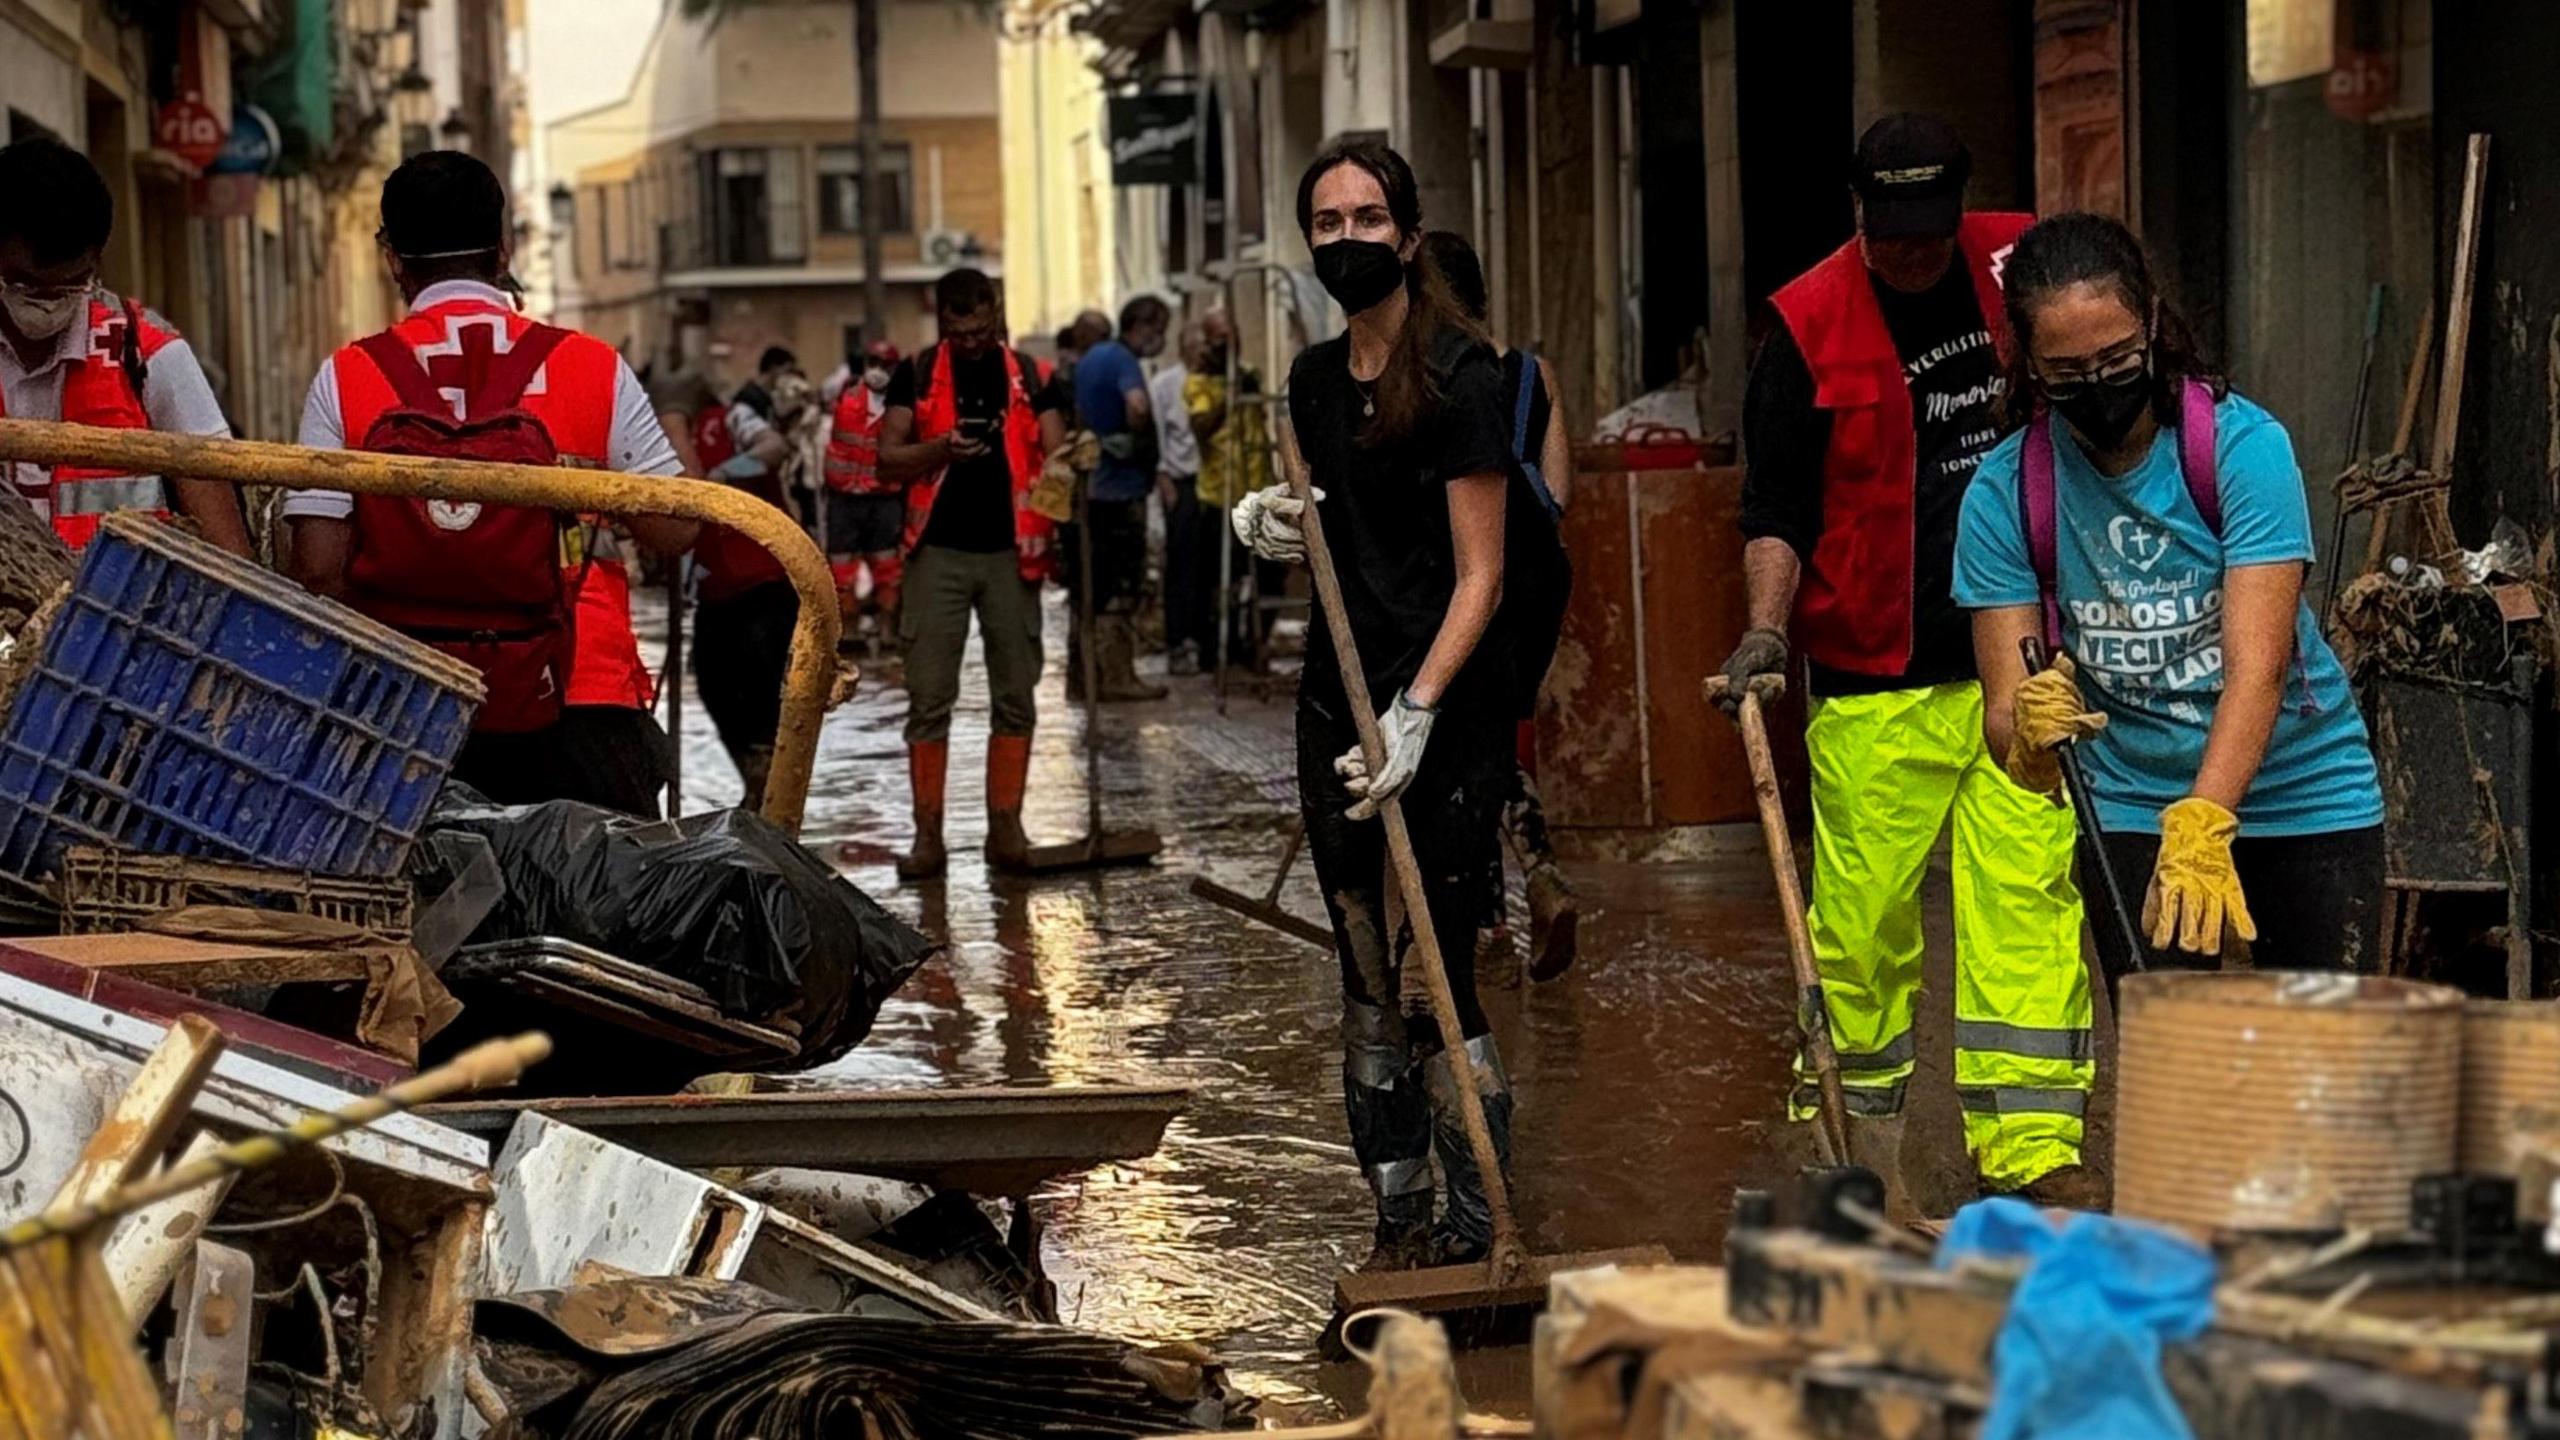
x=1866, y=412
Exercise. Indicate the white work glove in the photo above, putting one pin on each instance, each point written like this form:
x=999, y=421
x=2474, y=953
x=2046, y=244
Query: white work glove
x=1401, y=733
x=1271, y=523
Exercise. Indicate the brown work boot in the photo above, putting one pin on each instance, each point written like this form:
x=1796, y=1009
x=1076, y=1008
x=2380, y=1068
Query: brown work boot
x=1118, y=662
x=1555, y=922
x=2073, y=1187
x=928, y=859
x=1008, y=848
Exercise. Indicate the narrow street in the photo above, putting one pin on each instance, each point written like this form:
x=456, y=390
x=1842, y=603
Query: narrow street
x=1649, y=1077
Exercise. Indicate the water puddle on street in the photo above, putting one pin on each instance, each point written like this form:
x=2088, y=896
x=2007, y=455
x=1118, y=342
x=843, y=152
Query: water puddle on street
x=1648, y=1077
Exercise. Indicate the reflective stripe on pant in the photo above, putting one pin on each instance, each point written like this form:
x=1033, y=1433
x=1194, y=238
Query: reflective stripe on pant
x=1889, y=771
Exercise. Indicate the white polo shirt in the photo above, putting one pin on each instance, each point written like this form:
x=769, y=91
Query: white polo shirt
x=640, y=445
x=175, y=394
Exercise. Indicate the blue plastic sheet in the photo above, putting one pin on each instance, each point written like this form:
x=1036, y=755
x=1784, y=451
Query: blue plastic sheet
x=2079, y=1357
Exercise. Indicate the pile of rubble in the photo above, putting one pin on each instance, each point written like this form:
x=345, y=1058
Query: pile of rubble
x=235, y=890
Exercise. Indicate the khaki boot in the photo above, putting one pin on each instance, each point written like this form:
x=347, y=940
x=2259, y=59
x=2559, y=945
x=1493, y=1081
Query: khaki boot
x=1118, y=661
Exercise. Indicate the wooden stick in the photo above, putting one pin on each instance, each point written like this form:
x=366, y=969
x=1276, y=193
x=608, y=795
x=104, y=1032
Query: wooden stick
x=2412, y=390
x=2437, y=528
x=1504, y=1260
x=146, y=1117
x=1813, y=1012
x=497, y=1062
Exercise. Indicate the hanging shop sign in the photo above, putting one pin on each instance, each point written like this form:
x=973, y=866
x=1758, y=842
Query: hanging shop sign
x=1155, y=139
x=188, y=128
x=252, y=146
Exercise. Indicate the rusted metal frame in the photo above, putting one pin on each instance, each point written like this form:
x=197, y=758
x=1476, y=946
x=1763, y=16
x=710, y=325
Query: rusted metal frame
x=808, y=682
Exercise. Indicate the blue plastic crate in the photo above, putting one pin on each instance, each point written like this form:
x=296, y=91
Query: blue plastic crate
x=190, y=703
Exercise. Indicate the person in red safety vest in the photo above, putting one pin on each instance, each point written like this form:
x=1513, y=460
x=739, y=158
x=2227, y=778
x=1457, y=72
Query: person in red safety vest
x=1864, y=417
x=77, y=353
x=540, y=601
x=866, y=515
x=965, y=429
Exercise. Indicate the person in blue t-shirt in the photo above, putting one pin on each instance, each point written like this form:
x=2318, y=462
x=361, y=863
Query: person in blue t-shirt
x=1111, y=401
x=2220, y=736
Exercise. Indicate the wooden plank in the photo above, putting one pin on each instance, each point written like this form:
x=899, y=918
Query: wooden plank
x=150, y=1245
x=184, y=964
x=423, y=1346
x=146, y=1116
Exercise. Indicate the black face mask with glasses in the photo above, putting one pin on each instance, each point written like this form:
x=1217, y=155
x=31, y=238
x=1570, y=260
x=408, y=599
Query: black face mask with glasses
x=2103, y=408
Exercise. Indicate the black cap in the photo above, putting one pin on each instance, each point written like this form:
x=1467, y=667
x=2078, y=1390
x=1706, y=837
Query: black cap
x=1909, y=174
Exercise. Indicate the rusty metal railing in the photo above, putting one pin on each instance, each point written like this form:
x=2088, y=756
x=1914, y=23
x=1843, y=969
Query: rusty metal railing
x=808, y=682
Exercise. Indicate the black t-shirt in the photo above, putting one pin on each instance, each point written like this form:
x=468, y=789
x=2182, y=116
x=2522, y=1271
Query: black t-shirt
x=1386, y=511
x=974, y=509
x=1956, y=385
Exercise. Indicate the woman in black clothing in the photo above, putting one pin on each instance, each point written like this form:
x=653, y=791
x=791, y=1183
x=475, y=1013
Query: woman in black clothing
x=1402, y=427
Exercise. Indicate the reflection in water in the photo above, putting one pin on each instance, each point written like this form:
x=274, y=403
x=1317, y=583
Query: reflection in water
x=1645, y=1077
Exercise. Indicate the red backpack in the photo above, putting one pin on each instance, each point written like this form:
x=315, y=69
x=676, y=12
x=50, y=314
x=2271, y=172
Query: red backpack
x=480, y=582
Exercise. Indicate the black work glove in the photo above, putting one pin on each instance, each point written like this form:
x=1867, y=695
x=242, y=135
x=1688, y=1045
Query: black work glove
x=1762, y=652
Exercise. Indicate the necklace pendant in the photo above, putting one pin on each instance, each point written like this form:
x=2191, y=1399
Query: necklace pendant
x=1368, y=407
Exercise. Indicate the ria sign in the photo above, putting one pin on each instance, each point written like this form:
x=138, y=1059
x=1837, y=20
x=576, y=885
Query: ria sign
x=188, y=128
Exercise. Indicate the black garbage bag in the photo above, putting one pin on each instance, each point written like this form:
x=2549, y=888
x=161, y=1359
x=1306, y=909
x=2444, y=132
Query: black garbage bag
x=724, y=900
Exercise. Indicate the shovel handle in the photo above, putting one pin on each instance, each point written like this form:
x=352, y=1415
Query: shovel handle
x=1813, y=1011
x=1505, y=1258
x=2084, y=808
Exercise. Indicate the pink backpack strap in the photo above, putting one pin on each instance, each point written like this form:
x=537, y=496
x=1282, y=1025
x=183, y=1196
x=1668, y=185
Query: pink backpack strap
x=2036, y=508
x=2196, y=458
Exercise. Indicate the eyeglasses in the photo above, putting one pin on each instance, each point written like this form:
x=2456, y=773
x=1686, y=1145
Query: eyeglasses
x=2114, y=371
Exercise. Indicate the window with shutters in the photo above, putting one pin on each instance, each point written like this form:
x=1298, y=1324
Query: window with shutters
x=840, y=189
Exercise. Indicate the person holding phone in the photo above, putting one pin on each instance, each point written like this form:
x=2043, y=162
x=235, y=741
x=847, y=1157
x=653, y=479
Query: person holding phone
x=966, y=428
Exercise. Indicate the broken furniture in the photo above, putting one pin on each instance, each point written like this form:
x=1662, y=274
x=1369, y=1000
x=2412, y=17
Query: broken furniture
x=571, y=1206
x=648, y=1357
x=420, y=1188
x=993, y=1141
x=626, y=1019
x=1835, y=1325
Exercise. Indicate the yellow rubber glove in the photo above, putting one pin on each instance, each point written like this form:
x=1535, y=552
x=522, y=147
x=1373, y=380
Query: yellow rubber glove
x=2049, y=715
x=2194, y=889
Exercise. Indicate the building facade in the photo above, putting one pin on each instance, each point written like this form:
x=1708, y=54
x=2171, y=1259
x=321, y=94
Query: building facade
x=717, y=206
x=245, y=142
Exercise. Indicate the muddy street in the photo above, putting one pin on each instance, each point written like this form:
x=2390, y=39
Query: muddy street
x=1648, y=1076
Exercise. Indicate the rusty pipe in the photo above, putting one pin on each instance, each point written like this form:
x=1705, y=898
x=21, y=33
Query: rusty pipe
x=807, y=683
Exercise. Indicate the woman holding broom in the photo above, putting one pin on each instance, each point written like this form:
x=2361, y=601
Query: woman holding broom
x=1402, y=428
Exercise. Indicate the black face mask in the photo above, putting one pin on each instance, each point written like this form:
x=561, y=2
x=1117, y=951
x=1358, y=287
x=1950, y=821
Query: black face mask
x=2104, y=411
x=1359, y=274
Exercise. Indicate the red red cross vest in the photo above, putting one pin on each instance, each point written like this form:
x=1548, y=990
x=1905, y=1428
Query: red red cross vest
x=573, y=397
x=1853, y=611
x=938, y=414
x=103, y=388
x=853, y=444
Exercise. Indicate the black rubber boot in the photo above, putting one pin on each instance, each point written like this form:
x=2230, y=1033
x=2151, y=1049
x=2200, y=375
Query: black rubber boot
x=1466, y=1221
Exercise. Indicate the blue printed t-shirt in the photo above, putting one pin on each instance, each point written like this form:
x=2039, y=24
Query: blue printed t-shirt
x=1104, y=378
x=2140, y=580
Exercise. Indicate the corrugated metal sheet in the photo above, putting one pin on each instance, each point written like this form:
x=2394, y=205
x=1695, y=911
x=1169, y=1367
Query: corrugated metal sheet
x=2292, y=1101
x=2510, y=1061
